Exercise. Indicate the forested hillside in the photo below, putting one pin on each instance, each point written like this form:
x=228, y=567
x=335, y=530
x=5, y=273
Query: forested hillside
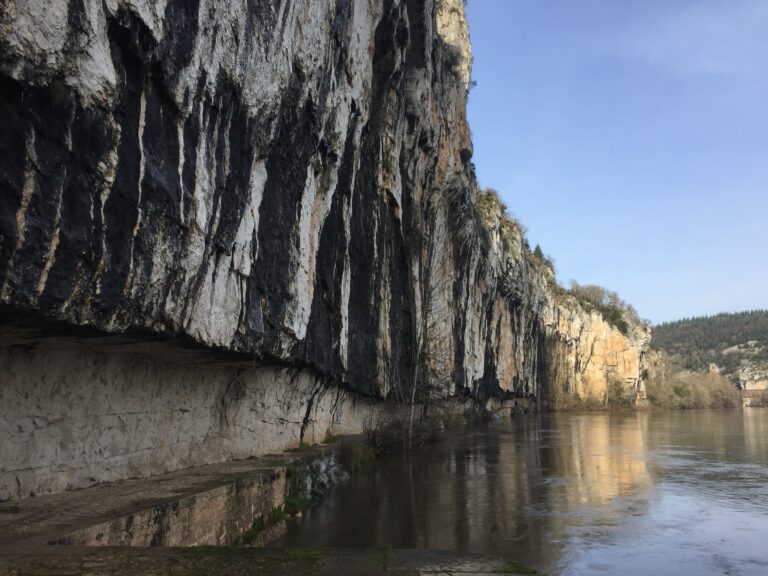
x=726, y=340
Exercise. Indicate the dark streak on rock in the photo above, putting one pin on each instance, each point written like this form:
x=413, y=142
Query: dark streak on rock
x=12, y=161
x=295, y=142
x=129, y=44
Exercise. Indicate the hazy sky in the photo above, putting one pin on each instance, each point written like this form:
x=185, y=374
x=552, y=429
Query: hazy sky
x=631, y=138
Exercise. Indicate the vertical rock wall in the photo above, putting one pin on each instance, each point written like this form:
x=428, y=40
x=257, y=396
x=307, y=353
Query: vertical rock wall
x=585, y=357
x=286, y=181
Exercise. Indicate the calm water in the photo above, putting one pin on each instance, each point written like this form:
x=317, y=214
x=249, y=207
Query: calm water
x=661, y=493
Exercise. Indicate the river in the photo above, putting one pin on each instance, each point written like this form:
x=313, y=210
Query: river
x=682, y=493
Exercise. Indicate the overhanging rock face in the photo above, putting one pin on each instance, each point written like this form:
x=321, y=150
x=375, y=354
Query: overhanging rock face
x=290, y=181
x=74, y=412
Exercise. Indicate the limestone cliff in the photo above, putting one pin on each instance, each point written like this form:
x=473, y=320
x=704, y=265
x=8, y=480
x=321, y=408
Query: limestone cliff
x=574, y=354
x=285, y=182
x=587, y=355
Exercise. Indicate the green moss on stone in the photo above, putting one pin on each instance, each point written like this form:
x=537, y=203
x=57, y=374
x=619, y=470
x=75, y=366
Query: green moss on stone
x=296, y=503
x=261, y=523
x=517, y=568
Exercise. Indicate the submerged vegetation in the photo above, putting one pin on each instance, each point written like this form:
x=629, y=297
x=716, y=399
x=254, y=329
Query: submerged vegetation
x=398, y=434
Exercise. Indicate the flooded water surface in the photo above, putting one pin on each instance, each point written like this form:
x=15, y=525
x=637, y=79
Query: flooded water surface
x=571, y=494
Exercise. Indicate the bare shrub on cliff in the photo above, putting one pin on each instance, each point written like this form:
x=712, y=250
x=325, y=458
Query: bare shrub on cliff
x=610, y=305
x=494, y=212
x=617, y=395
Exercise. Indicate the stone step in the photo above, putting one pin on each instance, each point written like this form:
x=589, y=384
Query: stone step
x=216, y=504
x=226, y=561
x=193, y=522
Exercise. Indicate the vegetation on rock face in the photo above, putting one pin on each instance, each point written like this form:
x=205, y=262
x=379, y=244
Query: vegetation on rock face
x=617, y=396
x=493, y=212
x=615, y=310
x=724, y=340
x=495, y=216
x=260, y=524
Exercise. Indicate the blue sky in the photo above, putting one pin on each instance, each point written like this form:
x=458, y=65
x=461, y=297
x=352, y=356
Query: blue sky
x=631, y=138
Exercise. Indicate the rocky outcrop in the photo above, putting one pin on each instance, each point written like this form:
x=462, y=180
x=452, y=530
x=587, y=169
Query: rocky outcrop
x=753, y=375
x=753, y=364
x=286, y=182
x=587, y=354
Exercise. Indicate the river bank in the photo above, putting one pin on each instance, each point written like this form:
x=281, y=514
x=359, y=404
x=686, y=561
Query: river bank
x=563, y=493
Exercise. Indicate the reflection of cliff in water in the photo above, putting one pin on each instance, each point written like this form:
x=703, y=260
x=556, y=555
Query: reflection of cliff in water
x=756, y=434
x=601, y=456
x=512, y=487
x=567, y=492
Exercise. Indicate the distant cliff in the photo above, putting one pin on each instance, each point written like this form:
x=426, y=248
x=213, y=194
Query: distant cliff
x=290, y=182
